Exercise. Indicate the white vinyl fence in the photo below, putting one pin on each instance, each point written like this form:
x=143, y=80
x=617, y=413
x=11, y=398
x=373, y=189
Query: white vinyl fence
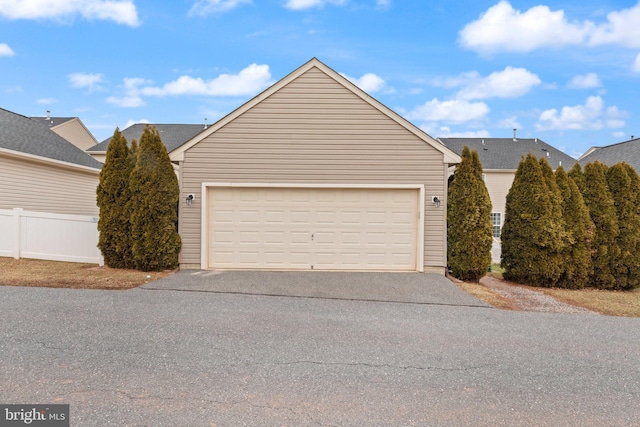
x=40, y=235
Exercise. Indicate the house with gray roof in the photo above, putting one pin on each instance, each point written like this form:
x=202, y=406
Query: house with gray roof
x=500, y=158
x=70, y=128
x=627, y=151
x=173, y=136
x=42, y=171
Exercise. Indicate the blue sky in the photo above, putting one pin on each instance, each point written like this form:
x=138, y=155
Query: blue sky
x=567, y=72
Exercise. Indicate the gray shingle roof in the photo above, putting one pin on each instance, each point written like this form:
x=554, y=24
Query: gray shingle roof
x=505, y=153
x=172, y=135
x=20, y=133
x=627, y=151
x=52, y=121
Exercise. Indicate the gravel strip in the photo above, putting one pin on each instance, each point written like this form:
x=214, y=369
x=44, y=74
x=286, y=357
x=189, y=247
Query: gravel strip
x=526, y=299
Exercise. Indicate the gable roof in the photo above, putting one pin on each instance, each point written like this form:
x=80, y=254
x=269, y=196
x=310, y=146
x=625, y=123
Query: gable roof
x=449, y=156
x=21, y=134
x=505, y=153
x=627, y=151
x=172, y=135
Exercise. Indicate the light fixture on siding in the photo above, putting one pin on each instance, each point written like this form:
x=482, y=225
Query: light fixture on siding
x=436, y=201
x=190, y=198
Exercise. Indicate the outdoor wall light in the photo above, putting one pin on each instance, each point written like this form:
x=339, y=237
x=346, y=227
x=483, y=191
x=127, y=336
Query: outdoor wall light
x=436, y=201
x=190, y=198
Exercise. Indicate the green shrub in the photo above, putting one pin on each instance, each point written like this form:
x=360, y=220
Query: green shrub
x=469, y=227
x=599, y=200
x=577, y=256
x=154, y=197
x=112, y=196
x=624, y=190
x=533, y=235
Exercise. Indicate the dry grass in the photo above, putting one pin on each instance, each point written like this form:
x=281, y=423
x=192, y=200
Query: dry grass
x=54, y=274
x=486, y=294
x=612, y=303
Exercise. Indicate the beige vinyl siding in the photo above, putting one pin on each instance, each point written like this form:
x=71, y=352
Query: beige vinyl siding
x=45, y=187
x=498, y=185
x=313, y=131
x=75, y=132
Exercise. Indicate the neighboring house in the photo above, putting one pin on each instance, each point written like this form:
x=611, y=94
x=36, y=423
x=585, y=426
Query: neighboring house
x=172, y=135
x=313, y=174
x=627, y=151
x=500, y=158
x=70, y=128
x=41, y=171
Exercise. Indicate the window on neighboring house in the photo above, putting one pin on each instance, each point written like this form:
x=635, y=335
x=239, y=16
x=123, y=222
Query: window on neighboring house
x=496, y=218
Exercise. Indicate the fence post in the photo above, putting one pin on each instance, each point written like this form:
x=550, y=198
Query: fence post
x=17, y=233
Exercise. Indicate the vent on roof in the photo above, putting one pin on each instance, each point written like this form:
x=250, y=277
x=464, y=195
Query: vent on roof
x=515, y=138
x=205, y=123
x=48, y=114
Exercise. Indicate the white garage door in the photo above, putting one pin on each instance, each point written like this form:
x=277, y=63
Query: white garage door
x=312, y=228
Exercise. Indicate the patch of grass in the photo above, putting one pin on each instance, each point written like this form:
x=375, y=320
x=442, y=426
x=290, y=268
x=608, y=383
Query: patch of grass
x=612, y=303
x=56, y=274
x=486, y=294
x=496, y=271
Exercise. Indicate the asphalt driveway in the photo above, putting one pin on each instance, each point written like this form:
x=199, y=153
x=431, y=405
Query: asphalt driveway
x=415, y=288
x=163, y=357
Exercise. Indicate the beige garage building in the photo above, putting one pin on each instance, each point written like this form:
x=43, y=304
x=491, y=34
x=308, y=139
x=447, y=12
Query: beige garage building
x=313, y=174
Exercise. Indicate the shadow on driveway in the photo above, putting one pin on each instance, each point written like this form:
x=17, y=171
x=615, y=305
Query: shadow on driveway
x=416, y=288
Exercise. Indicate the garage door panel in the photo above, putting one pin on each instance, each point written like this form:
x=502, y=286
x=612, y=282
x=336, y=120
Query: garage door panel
x=313, y=228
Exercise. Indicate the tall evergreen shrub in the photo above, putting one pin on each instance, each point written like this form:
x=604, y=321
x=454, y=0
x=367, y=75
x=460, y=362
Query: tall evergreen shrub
x=602, y=210
x=577, y=255
x=577, y=175
x=112, y=196
x=469, y=227
x=532, y=235
x=625, y=197
x=155, y=193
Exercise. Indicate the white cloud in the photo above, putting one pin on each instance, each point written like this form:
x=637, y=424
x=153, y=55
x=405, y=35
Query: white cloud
x=133, y=122
x=509, y=83
x=502, y=28
x=308, y=4
x=46, y=101
x=383, y=4
x=91, y=81
x=620, y=29
x=369, y=82
x=207, y=7
x=510, y=123
x=591, y=115
x=452, y=111
x=126, y=101
x=121, y=12
x=587, y=81
x=636, y=64
x=248, y=81
x=5, y=50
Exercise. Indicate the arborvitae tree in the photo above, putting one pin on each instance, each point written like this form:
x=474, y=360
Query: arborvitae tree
x=603, y=214
x=112, y=196
x=127, y=250
x=577, y=175
x=577, y=255
x=469, y=227
x=563, y=239
x=531, y=237
x=625, y=197
x=635, y=185
x=155, y=193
